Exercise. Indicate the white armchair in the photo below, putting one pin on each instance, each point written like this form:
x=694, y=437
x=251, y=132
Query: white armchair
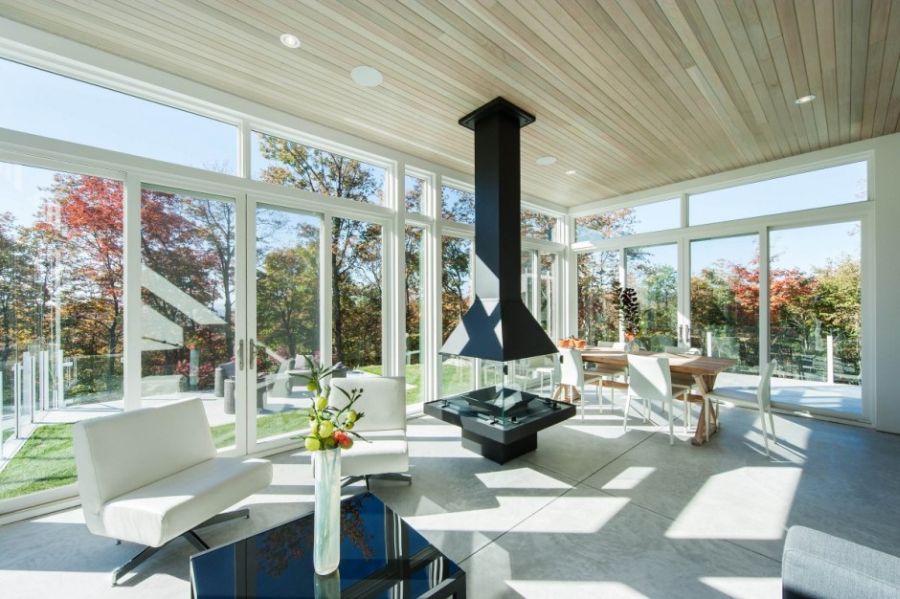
x=385, y=453
x=149, y=476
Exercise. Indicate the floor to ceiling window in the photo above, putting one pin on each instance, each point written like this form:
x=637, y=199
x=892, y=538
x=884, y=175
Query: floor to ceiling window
x=457, y=372
x=598, y=314
x=415, y=325
x=61, y=318
x=815, y=316
x=188, y=265
x=652, y=271
x=288, y=329
x=725, y=300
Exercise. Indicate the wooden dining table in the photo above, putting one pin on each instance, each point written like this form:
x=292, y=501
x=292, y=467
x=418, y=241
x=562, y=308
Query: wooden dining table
x=703, y=369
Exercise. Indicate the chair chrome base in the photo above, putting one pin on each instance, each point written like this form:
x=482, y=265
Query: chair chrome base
x=398, y=476
x=190, y=536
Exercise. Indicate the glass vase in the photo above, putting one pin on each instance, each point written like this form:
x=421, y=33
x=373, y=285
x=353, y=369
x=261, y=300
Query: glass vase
x=327, y=515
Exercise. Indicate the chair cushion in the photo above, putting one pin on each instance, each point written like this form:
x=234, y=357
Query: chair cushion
x=156, y=513
x=382, y=452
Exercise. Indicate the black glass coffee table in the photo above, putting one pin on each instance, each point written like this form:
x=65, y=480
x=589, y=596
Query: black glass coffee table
x=381, y=556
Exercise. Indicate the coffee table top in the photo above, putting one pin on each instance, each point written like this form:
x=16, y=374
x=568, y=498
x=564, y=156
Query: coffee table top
x=379, y=552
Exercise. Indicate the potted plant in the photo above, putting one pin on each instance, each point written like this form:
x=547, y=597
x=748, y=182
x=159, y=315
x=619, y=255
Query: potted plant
x=629, y=310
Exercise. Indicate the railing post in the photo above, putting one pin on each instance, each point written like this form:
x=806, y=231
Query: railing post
x=709, y=343
x=829, y=358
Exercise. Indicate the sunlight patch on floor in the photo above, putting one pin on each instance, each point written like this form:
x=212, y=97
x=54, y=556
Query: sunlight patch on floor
x=520, y=478
x=744, y=588
x=745, y=503
x=629, y=478
x=554, y=589
x=574, y=515
x=508, y=512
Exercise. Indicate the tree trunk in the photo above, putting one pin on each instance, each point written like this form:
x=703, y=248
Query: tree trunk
x=337, y=315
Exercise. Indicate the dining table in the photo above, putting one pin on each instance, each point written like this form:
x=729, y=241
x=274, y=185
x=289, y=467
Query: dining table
x=702, y=369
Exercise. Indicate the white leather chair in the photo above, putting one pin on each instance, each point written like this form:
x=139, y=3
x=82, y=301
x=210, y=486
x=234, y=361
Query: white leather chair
x=650, y=379
x=385, y=453
x=151, y=475
x=572, y=374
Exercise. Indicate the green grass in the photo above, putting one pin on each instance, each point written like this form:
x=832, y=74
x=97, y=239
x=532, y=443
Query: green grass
x=45, y=461
x=454, y=379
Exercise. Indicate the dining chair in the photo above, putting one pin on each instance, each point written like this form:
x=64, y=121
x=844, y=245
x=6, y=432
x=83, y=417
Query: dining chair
x=650, y=379
x=572, y=374
x=609, y=371
x=764, y=400
x=684, y=380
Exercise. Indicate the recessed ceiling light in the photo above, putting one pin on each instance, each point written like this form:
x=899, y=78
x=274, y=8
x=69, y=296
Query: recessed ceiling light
x=366, y=76
x=545, y=160
x=571, y=172
x=290, y=40
x=805, y=99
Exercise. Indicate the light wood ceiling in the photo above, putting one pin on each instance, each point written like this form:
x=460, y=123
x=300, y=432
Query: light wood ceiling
x=631, y=94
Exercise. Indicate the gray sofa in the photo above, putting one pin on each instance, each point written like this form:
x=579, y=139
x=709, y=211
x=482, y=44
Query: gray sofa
x=818, y=565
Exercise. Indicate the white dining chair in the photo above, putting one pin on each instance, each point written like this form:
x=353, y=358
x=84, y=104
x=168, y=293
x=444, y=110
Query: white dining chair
x=572, y=374
x=764, y=400
x=650, y=379
x=609, y=371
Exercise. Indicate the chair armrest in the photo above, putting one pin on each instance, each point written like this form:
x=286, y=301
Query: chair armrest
x=819, y=565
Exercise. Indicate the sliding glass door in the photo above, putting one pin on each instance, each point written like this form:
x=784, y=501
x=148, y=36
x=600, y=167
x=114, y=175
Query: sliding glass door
x=189, y=279
x=287, y=318
x=815, y=317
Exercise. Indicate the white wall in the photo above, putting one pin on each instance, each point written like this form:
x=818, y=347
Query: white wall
x=881, y=254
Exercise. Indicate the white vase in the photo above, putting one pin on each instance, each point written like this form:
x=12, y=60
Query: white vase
x=327, y=516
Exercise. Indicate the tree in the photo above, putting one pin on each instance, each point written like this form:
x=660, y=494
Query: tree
x=287, y=297
x=355, y=245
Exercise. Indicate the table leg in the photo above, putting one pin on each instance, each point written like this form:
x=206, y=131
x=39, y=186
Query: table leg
x=705, y=385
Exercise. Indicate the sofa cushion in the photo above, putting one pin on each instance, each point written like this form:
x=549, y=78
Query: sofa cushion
x=819, y=565
x=382, y=452
x=165, y=509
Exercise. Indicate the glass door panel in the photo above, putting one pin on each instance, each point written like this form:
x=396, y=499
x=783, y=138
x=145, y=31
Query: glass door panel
x=815, y=317
x=287, y=318
x=725, y=303
x=457, y=372
x=356, y=286
x=652, y=271
x=188, y=288
x=61, y=316
x=414, y=306
x=598, y=316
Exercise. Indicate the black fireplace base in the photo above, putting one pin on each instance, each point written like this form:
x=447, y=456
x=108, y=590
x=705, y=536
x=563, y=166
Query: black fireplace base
x=499, y=439
x=498, y=452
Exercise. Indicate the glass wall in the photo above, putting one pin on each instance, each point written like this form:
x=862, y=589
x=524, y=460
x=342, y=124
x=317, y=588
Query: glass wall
x=725, y=299
x=292, y=164
x=415, y=328
x=652, y=271
x=188, y=290
x=61, y=317
x=356, y=294
x=844, y=184
x=457, y=205
x=287, y=317
x=815, y=315
x=43, y=103
x=457, y=372
x=598, y=315
x=644, y=218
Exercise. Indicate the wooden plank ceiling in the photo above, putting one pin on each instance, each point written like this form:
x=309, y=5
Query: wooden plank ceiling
x=630, y=94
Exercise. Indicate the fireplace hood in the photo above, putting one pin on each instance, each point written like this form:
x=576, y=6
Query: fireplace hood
x=498, y=326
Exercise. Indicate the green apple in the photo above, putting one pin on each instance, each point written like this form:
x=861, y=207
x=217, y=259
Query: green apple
x=321, y=403
x=312, y=444
x=326, y=428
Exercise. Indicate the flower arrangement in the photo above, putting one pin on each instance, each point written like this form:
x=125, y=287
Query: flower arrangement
x=330, y=427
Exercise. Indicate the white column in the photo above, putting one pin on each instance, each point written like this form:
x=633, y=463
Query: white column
x=132, y=294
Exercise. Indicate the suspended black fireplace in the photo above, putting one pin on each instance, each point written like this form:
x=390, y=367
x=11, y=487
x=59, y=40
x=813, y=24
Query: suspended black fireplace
x=498, y=421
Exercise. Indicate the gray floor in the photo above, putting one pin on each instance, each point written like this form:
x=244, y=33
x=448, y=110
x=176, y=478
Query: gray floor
x=593, y=512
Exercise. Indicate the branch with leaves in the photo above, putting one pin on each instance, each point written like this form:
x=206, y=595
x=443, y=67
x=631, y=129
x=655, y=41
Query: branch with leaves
x=629, y=308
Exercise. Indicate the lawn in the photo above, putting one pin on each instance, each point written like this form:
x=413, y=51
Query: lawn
x=454, y=379
x=45, y=461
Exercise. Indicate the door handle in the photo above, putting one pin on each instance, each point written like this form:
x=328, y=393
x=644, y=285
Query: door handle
x=251, y=354
x=240, y=354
